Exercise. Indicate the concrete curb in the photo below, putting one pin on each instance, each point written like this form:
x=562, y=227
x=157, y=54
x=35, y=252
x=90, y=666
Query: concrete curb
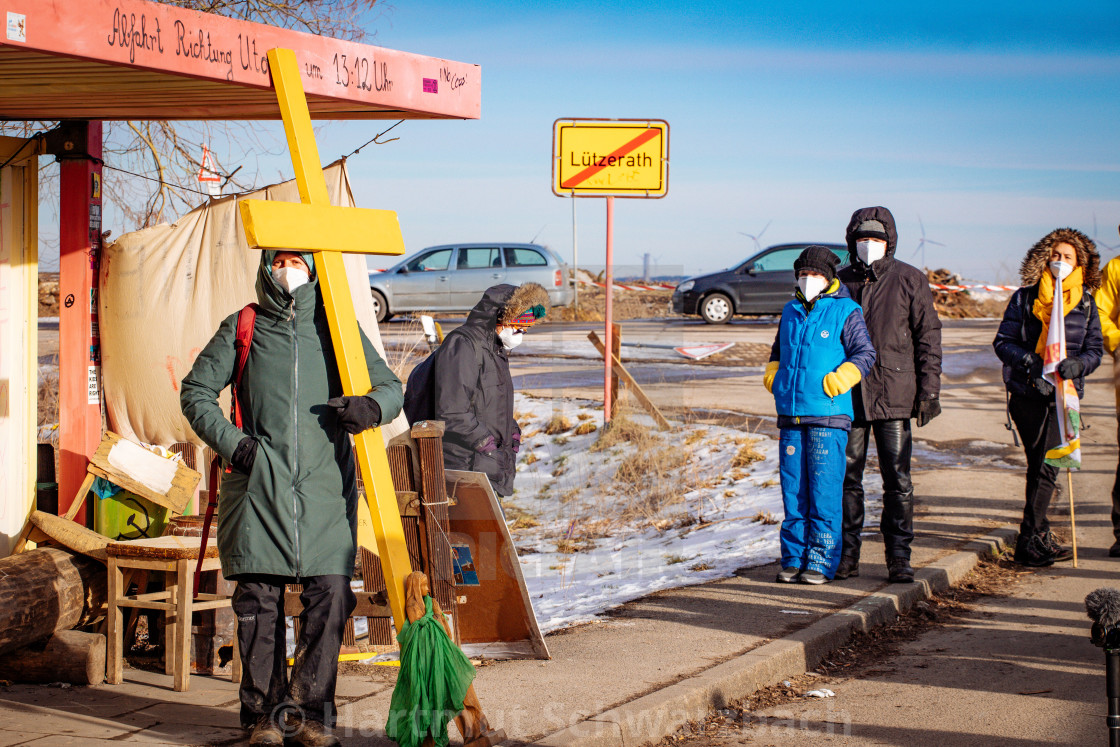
x=652, y=717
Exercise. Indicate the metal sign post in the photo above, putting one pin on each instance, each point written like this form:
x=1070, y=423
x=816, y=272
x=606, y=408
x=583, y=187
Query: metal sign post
x=609, y=158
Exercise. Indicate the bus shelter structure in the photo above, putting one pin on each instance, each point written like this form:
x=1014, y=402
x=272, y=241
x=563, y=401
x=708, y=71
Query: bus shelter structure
x=82, y=64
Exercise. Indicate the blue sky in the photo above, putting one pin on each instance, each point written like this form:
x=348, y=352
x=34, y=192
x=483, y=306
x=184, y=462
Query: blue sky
x=993, y=122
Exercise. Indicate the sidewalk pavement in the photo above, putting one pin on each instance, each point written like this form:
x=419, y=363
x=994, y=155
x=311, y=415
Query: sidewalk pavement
x=1019, y=670
x=662, y=660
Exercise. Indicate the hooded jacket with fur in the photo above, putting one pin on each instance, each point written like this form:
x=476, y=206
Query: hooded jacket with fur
x=904, y=327
x=1020, y=329
x=473, y=391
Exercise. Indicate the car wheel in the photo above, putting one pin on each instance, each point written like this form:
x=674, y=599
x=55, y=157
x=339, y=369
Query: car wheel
x=380, y=307
x=716, y=309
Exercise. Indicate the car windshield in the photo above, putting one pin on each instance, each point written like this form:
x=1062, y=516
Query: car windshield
x=437, y=260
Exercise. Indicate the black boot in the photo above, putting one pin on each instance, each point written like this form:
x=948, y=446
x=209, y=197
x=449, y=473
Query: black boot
x=266, y=733
x=899, y=571
x=1058, y=553
x=1033, y=552
x=848, y=568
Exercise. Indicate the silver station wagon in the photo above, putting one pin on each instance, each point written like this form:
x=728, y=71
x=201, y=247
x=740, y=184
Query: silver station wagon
x=452, y=277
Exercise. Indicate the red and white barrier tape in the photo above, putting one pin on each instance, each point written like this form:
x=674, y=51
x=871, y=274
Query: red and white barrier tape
x=959, y=288
x=631, y=287
x=933, y=286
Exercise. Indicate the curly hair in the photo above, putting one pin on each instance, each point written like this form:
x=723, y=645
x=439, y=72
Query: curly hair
x=1038, y=257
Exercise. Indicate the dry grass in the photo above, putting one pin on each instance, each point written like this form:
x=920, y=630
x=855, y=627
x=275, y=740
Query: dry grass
x=524, y=522
x=772, y=482
x=570, y=546
x=401, y=359
x=584, y=416
x=48, y=400
x=557, y=424
x=623, y=429
x=584, y=428
x=700, y=567
x=530, y=458
x=747, y=454
x=765, y=517
x=651, y=478
x=694, y=437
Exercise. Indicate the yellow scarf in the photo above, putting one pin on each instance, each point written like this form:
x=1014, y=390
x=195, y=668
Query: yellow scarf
x=1044, y=304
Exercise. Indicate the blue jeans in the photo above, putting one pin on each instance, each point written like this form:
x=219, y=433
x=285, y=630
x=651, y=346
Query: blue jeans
x=812, y=463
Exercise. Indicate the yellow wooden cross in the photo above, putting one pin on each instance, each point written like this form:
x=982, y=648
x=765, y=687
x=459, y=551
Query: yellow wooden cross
x=317, y=226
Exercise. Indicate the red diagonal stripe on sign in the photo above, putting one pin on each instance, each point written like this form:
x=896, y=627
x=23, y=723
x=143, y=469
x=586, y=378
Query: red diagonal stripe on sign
x=622, y=150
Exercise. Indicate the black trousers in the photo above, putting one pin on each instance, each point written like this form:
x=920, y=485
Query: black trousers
x=1037, y=423
x=266, y=690
x=894, y=444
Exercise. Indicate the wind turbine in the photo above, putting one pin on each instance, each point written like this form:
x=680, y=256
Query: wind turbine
x=755, y=238
x=922, y=243
x=1097, y=241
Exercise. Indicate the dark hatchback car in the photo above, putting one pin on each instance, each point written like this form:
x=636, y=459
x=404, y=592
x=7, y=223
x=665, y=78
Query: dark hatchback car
x=760, y=285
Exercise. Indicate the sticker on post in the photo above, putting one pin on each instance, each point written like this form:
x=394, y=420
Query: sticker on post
x=17, y=27
x=93, y=390
x=463, y=566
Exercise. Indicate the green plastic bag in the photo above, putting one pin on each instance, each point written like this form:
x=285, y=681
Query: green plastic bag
x=431, y=685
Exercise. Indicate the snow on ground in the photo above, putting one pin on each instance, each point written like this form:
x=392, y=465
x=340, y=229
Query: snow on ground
x=596, y=528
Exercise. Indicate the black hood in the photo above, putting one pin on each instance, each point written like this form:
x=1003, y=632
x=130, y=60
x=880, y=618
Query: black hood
x=485, y=312
x=882, y=215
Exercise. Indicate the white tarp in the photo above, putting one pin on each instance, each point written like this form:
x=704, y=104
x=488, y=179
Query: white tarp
x=165, y=290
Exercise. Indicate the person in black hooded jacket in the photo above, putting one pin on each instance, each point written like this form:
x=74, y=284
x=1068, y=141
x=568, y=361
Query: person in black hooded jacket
x=904, y=383
x=473, y=391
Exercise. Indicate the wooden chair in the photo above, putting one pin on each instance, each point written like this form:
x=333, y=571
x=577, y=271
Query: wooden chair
x=175, y=557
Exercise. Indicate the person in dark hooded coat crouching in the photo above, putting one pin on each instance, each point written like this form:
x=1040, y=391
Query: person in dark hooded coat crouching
x=473, y=391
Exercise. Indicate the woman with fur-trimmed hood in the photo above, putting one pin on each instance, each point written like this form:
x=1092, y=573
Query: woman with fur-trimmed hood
x=1072, y=256
x=473, y=391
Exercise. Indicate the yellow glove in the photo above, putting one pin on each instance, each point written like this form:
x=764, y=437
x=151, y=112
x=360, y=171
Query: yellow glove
x=842, y=379
x=768, y=377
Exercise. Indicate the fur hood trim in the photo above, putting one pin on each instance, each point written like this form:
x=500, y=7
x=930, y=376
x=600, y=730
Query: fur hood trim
x=1037, y=260
x=524, y=298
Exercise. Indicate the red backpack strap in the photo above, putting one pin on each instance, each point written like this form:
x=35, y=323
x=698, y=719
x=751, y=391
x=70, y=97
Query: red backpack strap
x=246, y=320
x=211, y=504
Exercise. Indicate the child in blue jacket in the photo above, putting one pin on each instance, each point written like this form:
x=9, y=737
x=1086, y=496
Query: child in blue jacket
x=821, y=351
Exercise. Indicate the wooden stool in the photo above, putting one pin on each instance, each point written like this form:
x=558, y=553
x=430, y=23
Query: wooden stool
x=175, y=557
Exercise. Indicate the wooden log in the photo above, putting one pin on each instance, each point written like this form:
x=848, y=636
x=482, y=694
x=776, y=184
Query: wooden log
x=46, y=590
x=632, y=385
x=67, y=656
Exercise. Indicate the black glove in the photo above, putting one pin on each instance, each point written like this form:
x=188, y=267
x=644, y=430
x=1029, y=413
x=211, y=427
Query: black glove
x=1044, y=387
x=1032, y=362
x=928, y=409
x=356, y=414
x=1071, y=368
x=244, y=455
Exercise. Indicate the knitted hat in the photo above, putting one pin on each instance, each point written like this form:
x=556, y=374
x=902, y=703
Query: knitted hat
x=527, y=305
x=870, y=229
x=819, y=259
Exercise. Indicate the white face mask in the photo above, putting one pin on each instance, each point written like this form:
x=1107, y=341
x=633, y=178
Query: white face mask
x=290, y=278
x=1061, y=270
x=811, y=286
x=510, y=338
x=870, y=250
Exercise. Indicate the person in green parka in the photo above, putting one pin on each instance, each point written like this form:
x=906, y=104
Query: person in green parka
x=288, y=508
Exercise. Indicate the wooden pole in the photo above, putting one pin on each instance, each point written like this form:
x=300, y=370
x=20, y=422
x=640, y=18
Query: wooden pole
x=1072, y=522
x=631, y=384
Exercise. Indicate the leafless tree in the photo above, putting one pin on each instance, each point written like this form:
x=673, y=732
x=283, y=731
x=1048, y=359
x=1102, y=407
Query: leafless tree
x=153, y=165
